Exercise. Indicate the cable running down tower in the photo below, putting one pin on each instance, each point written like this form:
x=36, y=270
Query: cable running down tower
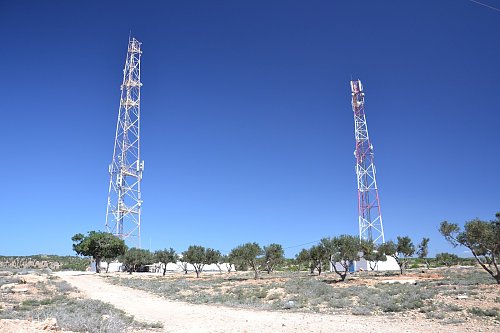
x=123, y=213
x=369, y=214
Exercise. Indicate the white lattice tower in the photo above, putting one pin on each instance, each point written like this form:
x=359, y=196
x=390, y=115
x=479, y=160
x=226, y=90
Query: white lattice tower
x=369, y=214
x=123, y=213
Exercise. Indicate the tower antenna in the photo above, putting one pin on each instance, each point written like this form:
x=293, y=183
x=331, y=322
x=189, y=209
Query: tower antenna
x=123, y=213
x=369, y=214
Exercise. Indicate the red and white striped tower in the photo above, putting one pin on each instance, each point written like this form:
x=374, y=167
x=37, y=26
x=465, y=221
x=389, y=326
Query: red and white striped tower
x=370, y=217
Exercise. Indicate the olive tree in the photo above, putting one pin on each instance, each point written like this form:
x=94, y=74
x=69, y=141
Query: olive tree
x=273, y=256
x=423, y=251
x=135, y=258
x=247, y=255
x=342, y=250
x=195, y=255
x=228, y=261
x=166, y=256
x=213, y=257
x=184, y=266
x=303, y=258
x=98, y=245
x=482, y=238
x=400, y=251
x=447, y=259
x=319, y=256
x=372, y=253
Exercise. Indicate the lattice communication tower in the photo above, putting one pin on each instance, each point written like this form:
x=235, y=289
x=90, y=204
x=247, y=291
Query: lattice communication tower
x=370, y=216
x=123, y=213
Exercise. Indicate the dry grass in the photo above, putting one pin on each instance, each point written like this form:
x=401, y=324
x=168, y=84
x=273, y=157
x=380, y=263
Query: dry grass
x=429, y=295
x=49, y=297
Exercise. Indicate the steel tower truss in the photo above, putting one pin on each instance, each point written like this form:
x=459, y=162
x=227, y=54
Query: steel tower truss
x=123, y=213
x=370, y=216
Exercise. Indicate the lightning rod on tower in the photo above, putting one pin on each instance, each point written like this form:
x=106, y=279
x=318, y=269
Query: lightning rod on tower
x=369, y=214
x=123, y=213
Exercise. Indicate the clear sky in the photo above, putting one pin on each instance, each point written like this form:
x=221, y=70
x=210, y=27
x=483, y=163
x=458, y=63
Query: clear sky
x=247, y=127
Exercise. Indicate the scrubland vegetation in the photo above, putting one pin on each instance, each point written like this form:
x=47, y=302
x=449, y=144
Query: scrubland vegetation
x=41, y=295
x=423, y=287
x=451, y=296
x=40, y=261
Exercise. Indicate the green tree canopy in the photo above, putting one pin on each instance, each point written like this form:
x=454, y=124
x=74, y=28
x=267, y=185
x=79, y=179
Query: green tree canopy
x=199, y=256
x=247, y=254
x=342, y=250
x=482, y=238
x=447, y=259
x=401, y=251
x=212, y=256
x=273, y=256
x=318, y=255
x=228, y=262
x=166, y=256
x=135, y=258
x=423, y=250
x=372, y=253
x=303, y=258
x=98, y=245
x=195, y=255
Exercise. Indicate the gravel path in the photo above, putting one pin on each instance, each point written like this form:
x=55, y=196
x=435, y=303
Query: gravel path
x=184, y=317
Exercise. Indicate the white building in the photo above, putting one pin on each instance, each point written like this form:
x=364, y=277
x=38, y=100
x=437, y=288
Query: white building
x=389, y=265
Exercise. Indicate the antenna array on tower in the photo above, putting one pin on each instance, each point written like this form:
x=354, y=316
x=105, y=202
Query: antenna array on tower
x=369, y=214
x=123, y=213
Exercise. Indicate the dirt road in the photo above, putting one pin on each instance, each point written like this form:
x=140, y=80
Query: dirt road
x=184, y=317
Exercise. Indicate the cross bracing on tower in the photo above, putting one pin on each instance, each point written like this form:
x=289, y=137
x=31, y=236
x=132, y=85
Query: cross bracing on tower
x=369, y=213
x=123, y=213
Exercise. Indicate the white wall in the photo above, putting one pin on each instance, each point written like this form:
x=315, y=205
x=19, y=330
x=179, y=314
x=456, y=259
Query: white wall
x=389, y=265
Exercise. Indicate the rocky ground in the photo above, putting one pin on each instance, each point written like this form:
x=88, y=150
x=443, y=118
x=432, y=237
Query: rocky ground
x=454, y=306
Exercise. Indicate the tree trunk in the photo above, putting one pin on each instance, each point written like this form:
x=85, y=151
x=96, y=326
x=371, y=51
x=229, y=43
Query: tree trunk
x=164, y=269
x=341, y=274
x=197, y=272
x=98, y=265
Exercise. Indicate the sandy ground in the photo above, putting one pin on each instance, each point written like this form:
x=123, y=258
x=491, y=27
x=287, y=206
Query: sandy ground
x=184, y=317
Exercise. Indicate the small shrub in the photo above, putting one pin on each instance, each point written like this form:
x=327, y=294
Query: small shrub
x=63, y=287
x=273, y=296
x=361, y=311
x=157, y=324
x=340, y=303
x=452, y=307
x=485, y=312
x=435, y=315
x=454, y=321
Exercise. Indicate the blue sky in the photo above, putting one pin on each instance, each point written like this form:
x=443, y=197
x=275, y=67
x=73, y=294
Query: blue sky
x=247, y=128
